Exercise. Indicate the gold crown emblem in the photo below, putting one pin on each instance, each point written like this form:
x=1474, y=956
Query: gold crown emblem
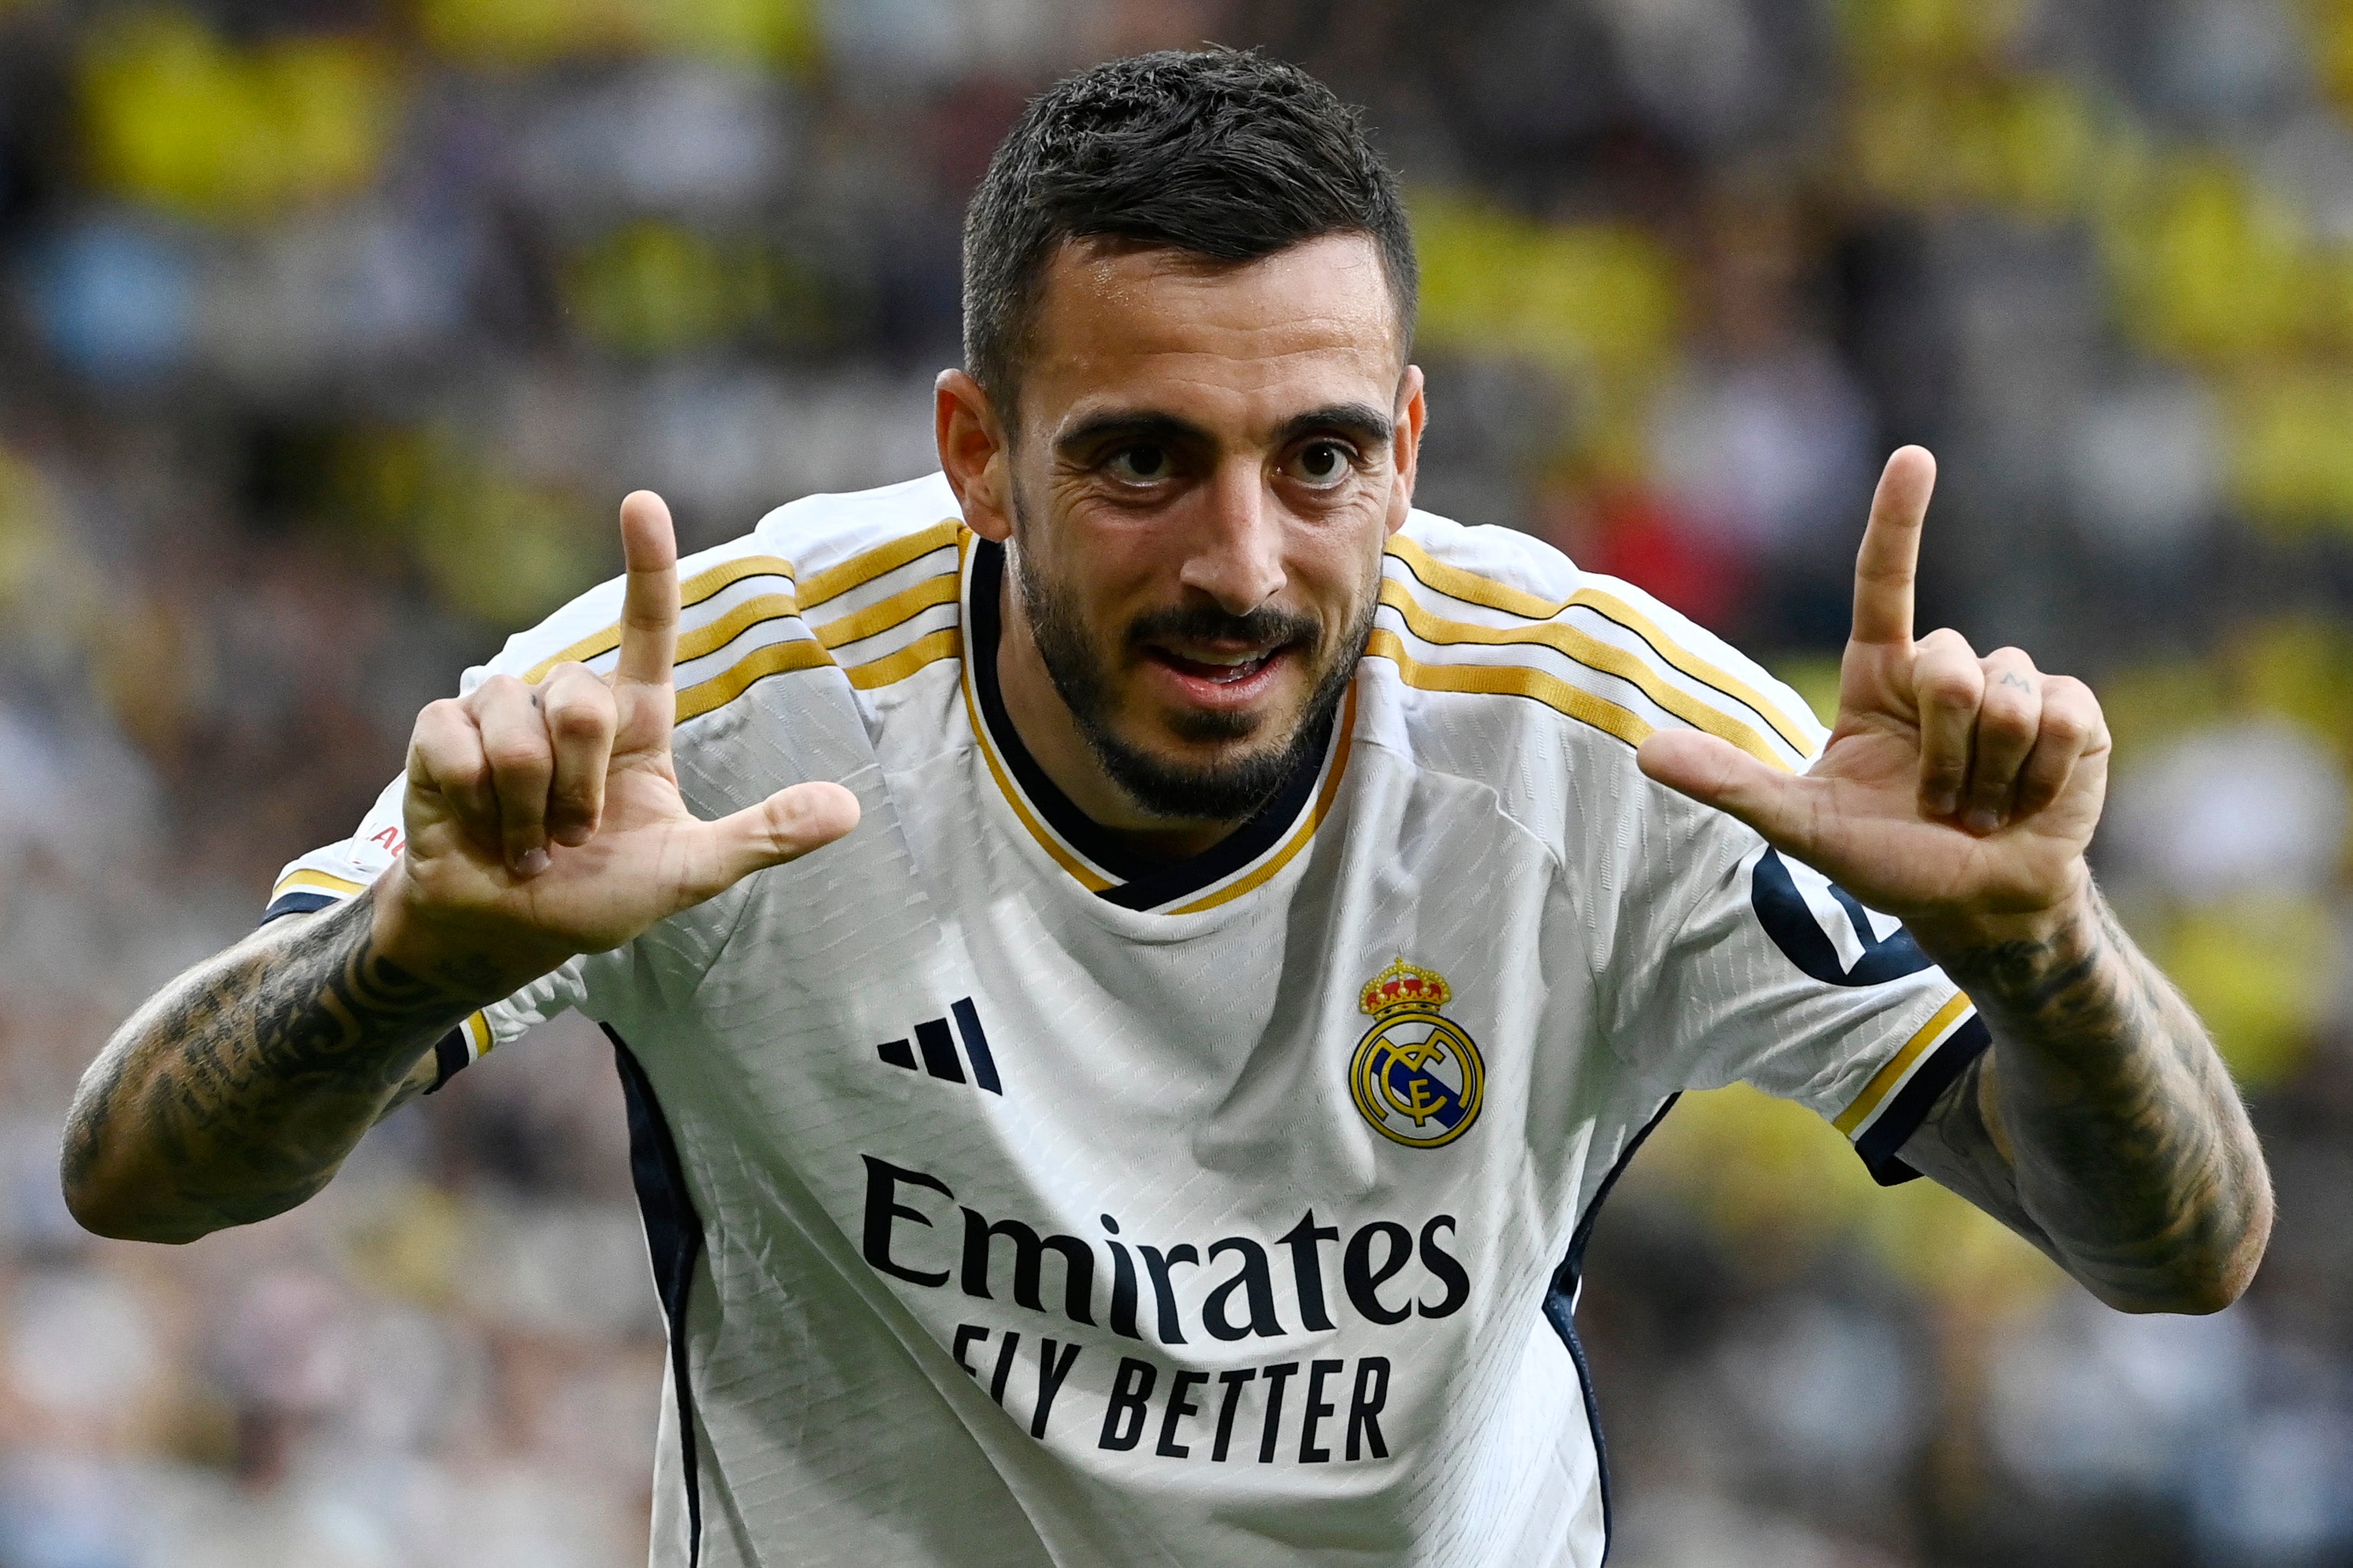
x=1404, y=985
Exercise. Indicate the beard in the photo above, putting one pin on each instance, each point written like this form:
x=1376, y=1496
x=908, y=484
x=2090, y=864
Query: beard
x=1233, y=787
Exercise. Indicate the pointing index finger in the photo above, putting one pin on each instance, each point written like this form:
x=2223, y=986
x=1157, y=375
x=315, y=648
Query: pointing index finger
x=650, y=599
x=1889, y=556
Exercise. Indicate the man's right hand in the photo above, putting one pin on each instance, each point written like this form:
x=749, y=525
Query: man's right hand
x=545, y=820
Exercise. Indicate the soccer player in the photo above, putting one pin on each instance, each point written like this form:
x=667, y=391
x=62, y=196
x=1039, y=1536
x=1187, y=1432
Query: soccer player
x=1134, y=959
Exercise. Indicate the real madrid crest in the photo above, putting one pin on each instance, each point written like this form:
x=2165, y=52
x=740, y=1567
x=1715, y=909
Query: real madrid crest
x=1416, y=1075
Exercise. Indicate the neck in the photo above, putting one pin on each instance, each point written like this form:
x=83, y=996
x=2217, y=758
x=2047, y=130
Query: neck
x=1051, y=732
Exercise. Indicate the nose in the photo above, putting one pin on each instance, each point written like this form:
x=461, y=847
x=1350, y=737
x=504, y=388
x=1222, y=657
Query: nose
x=1237, y=554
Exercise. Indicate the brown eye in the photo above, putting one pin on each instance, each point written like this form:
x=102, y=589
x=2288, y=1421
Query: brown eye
x=1323, y=464
x=1140, y=464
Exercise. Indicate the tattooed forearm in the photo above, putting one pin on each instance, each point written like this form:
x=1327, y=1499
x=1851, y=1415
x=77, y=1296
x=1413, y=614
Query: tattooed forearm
x=236, y=1091
x=2103, y=1126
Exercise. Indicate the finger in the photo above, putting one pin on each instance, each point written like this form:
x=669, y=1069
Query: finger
x=515, y=743
x=1716, y=773
x=785, y=826
x=1890, y=557
x=650, y=598
x=445, y=759
x=581, y=717
x=2008, y=719
x=1948, y=684
x=2072, y=727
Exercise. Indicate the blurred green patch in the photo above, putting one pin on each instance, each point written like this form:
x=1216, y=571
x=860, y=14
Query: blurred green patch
x=1814, y=678
x=525, y=34
x=1781, y=1188
x=1586, y=298
x=2259, y=971
x=490, y=543
x=177, y=118
x=654, y=287
x=2029, y=145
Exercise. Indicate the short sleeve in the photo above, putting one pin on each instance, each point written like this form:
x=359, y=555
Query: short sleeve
x=1779, y=978
x=347, y=868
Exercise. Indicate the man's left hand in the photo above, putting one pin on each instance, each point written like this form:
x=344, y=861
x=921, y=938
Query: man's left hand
x=1956, y=791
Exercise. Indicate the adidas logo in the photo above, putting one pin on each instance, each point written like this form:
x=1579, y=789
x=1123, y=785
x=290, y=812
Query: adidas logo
x=939, y=1051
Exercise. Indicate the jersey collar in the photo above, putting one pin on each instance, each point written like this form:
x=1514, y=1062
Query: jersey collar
x=1100, y=859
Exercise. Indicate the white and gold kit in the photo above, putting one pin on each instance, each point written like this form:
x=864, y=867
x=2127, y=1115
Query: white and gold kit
x=1014, y=1201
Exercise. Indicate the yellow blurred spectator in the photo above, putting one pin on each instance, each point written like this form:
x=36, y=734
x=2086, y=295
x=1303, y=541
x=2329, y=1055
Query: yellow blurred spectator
x=2292, y=464
x=2209, y=266
x=492, y=544
x=513, y=34
x=2029, y=146
x=1588, y=298
x=1800, y=1190
x=2259, y=969
x=1926, y=36
x=178, y=119
x=654, y=287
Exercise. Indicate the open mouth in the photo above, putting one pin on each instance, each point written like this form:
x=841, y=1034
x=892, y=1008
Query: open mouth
x=1212, y=677
x=1222, y=672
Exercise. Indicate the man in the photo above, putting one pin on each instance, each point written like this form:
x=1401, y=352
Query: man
x=1134, y=960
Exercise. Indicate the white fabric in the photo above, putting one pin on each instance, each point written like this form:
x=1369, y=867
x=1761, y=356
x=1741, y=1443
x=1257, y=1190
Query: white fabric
x=1186, y=1077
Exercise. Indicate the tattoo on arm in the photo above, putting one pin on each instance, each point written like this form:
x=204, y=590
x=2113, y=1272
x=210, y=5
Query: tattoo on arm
x=236, y=1092
x=2103, y=1126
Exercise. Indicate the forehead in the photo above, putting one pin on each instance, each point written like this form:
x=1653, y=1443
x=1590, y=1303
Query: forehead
x=1227, y=345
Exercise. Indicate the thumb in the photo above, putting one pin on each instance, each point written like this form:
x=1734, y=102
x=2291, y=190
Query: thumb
x=785, y=826
x=1714, y=771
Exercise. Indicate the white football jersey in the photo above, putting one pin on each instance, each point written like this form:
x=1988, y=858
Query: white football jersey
x=1014, y=1200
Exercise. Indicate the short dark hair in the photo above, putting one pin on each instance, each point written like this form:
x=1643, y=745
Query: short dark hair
x=1223, y=154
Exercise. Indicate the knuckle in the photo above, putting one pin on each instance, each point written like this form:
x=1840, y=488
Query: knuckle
x=1950, y=688
x=1945, y=639
x=579, y=719
x=2006, y=718
x=2065, y=726
x=442, y=717
x=516, y=755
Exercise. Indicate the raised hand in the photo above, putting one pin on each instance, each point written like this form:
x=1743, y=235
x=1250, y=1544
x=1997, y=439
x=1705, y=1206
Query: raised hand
x=1956, y=791
x=545, y=820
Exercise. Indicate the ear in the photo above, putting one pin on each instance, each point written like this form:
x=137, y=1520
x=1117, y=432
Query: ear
x=974, y=454
x=1412, y=413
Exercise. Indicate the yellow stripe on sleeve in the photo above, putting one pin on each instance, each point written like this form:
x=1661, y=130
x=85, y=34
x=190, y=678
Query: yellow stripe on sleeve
x=1884, y=1080
x=691, y=592
x=884, y=614
x=1611, y=607
x=1594, y=654
x=1470, y=586
x=478, y=1035
x=929, y=648
x=317, y=882
x=1474, y=589
x=1511, y=681
x=775, y=659
x=864, y=567
x=733, y=624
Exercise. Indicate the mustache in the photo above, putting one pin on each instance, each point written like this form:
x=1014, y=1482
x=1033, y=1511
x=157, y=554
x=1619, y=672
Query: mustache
x=1267, y=628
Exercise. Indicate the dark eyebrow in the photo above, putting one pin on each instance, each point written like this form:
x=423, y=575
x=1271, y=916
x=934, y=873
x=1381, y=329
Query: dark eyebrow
x=1362, y=421
x=1368, y=423
x=1131, y=425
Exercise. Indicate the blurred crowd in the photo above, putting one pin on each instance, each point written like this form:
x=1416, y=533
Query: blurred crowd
x=330, y=330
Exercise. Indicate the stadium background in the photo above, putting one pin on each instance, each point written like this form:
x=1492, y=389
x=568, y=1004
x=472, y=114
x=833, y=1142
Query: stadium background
x=331, y=330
